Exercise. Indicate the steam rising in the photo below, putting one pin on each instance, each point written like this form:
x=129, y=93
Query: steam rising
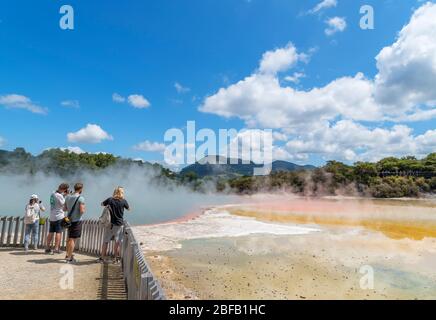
x=151, y=200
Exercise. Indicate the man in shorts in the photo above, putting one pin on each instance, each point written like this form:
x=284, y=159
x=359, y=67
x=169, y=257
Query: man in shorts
x=57, y=204
x=75, y=206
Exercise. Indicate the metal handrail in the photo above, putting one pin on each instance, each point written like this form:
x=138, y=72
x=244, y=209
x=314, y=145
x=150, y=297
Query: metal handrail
x=140, y=282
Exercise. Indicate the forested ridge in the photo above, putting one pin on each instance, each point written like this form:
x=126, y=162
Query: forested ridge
x=388, y=178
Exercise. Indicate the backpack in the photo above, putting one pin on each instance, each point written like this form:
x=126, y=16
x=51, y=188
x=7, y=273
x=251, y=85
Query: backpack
x=105, y=218
x=30, y=215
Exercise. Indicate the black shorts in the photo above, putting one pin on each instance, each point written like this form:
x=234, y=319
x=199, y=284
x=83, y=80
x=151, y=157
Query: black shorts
x=56, y=227
x=75, y=231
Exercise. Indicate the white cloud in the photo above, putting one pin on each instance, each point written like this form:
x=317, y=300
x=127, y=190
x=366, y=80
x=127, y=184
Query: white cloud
x=138, y=101
x=71, y=104
x=149, y=146
x=180, y=88
x=407, y=69
x=2, y=141
x=16, y=101
x=403, y=90
x=118, y=98
x=135, y=100
x=260, y=100
x=280, y=59
x=325, y=4
x=334, y=25
x=350, y=141
x=92, y=133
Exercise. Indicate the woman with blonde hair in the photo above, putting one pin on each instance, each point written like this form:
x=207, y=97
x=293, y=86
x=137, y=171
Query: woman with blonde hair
x=116, y=206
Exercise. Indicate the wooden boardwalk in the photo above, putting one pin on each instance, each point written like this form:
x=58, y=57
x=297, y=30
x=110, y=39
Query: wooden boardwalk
x=38, y=276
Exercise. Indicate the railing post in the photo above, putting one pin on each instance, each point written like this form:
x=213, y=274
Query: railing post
x=43, y=237
x=100, y=231
x=3, y=231
x=9, y=237
x=63, y=242
x=92, y=238
x=17, y=229
x=22, y=231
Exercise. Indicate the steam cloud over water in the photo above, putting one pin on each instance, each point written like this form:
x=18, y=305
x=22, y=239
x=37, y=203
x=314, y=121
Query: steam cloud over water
x=150, y=201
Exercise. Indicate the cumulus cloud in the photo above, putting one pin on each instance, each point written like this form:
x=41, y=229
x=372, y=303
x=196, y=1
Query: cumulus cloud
x=260, y=100
x=138, y=101
x=92, y=133
x=325, y=4
x=407, y=69
x=135, y=100
x=280, y=59
x=334, y=25
x=351, y=141
x=2, y=141
x=16, y=101
x=403, y=90
x=149, y=146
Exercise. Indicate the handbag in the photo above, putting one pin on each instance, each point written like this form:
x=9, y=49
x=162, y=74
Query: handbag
x=66, y=222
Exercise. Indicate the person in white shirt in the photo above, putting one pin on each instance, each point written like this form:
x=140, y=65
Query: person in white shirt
x=57, y=214
x=31, y=220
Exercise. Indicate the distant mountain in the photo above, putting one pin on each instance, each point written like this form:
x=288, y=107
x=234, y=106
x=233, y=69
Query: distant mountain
x=289, y=166
x=235, y=167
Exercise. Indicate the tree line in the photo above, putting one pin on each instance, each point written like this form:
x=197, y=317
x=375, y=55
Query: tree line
x=388, y=178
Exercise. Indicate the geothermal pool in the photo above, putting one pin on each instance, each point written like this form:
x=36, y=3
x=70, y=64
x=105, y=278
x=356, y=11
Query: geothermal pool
x=279, y=247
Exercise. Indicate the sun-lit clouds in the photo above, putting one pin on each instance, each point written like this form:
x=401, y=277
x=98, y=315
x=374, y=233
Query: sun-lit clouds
x=137, y=101
x=320, y=120
x=325, y=4
x=281, y=59
x=2, y=141
x=92, y=133
x=180, y=88
x=149, y=146
x=16, y=101
x=407, y=69
x=71, y=104
x=261, y=100
x=351, y=141
x=335, y=25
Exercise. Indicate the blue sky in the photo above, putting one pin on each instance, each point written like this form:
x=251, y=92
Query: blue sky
x=145, y=47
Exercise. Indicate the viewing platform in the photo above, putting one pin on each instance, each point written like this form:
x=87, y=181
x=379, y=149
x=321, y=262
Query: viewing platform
x=36, y=275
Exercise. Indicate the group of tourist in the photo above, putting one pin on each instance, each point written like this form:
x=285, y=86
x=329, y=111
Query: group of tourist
x=67, y=210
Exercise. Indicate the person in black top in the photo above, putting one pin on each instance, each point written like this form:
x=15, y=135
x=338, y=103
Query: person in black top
x=117, y=204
